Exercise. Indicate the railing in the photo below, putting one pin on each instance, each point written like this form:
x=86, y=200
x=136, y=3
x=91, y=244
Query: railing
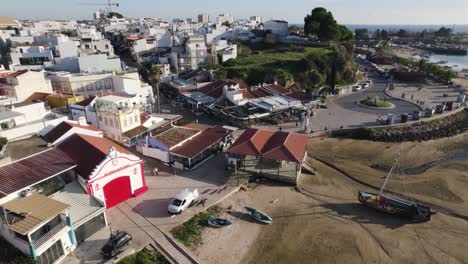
x=47, y=236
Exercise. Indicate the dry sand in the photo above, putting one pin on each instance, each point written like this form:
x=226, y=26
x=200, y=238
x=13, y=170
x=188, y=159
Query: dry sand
x=324, y=223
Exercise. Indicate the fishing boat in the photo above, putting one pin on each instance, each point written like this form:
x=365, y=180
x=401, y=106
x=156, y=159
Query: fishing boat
x=258, y=215
x=218, y=222
x=395, y=206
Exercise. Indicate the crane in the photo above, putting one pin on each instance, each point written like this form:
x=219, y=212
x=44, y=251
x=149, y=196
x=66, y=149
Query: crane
x=109, y=5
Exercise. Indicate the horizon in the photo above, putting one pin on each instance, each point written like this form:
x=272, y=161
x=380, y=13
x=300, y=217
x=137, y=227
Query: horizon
x=359, y=12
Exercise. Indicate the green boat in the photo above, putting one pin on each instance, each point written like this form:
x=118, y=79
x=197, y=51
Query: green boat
x=218, y=222
x=258, y=215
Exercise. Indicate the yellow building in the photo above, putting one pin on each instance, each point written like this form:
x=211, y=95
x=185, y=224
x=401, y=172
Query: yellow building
x=63, y=99
x=117, y=115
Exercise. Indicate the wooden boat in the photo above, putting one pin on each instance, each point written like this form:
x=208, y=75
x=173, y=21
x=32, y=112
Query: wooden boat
x=258, y=215
x=395, y=206
x=218, y=222
x=400, y=207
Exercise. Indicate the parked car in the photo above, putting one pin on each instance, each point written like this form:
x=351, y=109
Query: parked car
x=182, y=201
x=357, y=88
x=117, y=241
x=364, y=85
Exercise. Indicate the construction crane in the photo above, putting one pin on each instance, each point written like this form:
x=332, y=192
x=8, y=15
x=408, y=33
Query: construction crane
x=109, y=5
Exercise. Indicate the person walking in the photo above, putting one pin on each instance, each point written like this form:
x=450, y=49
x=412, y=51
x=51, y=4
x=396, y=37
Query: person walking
x=173, y=170
x=156, y=171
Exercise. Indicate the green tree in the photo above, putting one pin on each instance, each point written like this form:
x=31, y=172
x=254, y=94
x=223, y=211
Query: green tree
x=322, y=24
x=361, y=33
x=5, y=53
x=443, y=32
x=152, y=74
x=114, y=14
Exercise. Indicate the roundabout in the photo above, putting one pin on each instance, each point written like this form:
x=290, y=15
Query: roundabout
x=375, y=103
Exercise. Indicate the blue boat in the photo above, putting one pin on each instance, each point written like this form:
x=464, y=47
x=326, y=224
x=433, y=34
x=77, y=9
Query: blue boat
x=258, y=215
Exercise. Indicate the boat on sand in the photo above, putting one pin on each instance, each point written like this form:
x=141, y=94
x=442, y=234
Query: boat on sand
x=258, y=215
x=218, y=222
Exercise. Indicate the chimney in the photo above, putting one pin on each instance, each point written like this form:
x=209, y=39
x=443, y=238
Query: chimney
x=82, y=121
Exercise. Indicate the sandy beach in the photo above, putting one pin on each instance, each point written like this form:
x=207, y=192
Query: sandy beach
x=324, y=222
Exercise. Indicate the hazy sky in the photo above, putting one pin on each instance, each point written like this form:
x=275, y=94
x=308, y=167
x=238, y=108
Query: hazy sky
x=345, y=11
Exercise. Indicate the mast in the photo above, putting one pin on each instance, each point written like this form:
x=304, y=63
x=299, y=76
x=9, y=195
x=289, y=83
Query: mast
x=386, y=180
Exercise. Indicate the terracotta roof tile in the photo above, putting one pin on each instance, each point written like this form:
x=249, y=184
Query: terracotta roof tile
x=88, y=151
x=277, y=145
x=31, y=170
x=63, y=128
x=201, y=142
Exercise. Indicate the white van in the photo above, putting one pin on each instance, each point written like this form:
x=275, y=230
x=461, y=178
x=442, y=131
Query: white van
x=182, y=201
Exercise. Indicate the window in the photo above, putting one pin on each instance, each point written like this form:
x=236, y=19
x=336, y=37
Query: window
x=86, y=46
x=106, y=123
x=136, y=118
x=111, y=121
x=51, y=254
x=125, y=123
x=107, y=46
x=21, y=50
x=130, y=121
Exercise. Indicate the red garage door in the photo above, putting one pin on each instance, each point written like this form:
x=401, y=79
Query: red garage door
x=117, y=191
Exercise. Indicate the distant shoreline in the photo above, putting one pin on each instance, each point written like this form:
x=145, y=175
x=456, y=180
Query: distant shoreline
x=461, y=28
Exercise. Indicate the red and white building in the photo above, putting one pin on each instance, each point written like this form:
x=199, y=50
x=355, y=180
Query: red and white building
x=110, y=173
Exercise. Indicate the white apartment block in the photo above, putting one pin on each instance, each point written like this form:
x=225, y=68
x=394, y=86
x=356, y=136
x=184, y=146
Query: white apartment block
x=31, y=56
x=117, y=115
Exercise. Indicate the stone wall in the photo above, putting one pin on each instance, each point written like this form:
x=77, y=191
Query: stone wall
x=447, y=126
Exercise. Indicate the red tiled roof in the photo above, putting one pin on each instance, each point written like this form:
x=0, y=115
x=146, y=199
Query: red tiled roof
x=214, y=89
x=63, y=128
x=247, y=94
x=277, y=145
x=199, y=127
x=258, y=92
x=201, y=142
x=37, y=96
x=88, y=151
x=301, y=96
x=278, y=88
x=12, y=74
x=34, y=169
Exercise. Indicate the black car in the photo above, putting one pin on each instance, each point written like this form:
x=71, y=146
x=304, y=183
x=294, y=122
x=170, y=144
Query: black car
x=117, y=240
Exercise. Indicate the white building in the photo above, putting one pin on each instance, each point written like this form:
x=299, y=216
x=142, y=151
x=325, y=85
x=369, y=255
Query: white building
x=277, y=27
x=85, y=109
x=93, y=46
x=128, y=84
x=31, y=56
x=204, y=19
x=224, y=49
x=225, y=18
x=20, y=85
x=22, y=120
x=96, y=63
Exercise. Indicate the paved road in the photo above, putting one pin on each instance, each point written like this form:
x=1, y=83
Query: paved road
x=377, y=89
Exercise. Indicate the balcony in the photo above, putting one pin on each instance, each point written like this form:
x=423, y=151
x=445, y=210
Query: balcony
x=48, y=231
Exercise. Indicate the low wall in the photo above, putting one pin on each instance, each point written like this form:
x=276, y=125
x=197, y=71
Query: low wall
x=436, y=128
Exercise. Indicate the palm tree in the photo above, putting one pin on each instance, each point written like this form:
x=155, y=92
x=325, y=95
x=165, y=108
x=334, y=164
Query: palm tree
x=154, y=74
